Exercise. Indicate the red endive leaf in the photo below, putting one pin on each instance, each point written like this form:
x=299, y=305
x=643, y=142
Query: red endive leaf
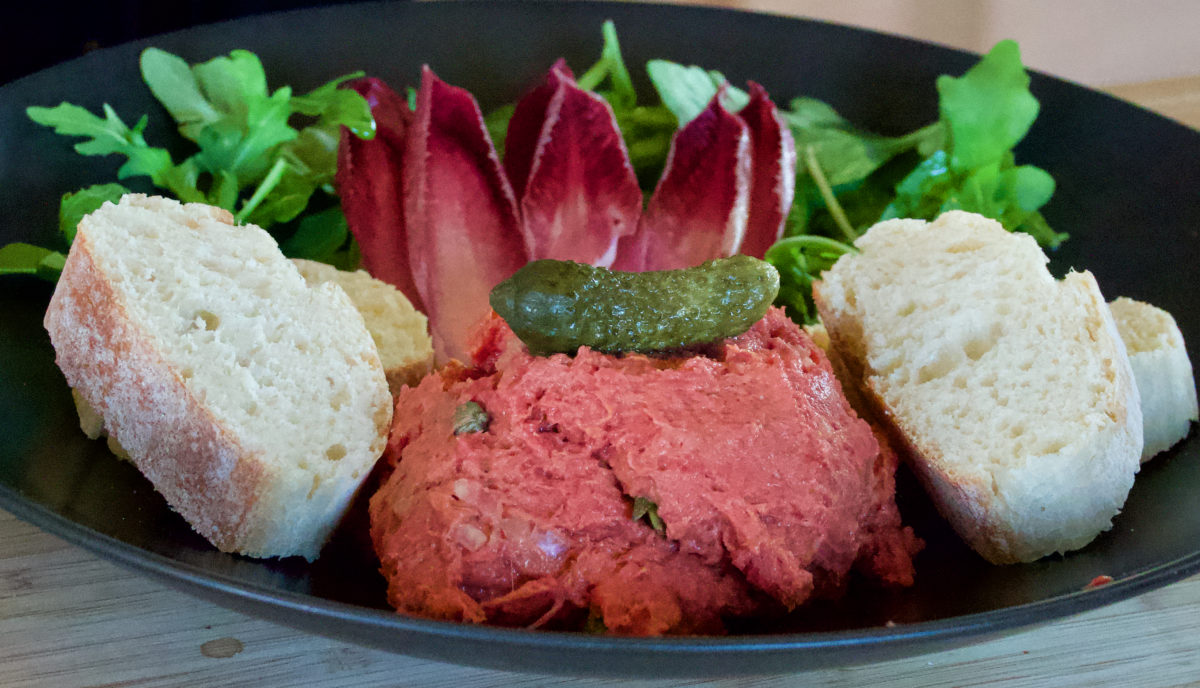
x=368, y=181
x=525, y=127
x=699, y=208
x=773, y=172
x=459, y=211
x=581, y=195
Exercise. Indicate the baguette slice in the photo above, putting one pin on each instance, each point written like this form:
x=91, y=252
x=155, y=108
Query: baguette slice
x=1162, y=371
x=1011, y=391
x=401, y=332
x=255, y=404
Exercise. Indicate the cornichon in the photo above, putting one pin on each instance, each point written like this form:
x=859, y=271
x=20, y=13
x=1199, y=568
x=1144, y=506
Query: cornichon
x=557, y=306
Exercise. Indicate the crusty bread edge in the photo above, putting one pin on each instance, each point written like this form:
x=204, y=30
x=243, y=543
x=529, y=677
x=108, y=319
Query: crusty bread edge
x=197, y=465
x=409, y=375
x=1163, y=375
x=225, y=491
x=965, y=501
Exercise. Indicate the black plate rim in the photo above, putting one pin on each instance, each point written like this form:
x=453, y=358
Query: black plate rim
x=302, y=610
x=195, y=580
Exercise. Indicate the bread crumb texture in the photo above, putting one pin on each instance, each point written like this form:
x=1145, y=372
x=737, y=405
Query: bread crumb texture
x=1012, y=387
x=401, y=332
x=255, y=403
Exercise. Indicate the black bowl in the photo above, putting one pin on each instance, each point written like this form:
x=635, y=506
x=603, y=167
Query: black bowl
x=1127, y=181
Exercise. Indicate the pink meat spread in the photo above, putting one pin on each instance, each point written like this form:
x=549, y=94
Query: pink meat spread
x=770, y=489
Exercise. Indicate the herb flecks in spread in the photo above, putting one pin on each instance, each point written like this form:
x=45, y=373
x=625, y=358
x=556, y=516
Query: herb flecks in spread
x=470, y=417
x=644, y=507
x=532, y=523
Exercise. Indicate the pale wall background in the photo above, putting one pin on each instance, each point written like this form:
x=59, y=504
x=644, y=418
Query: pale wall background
x=1097, y=42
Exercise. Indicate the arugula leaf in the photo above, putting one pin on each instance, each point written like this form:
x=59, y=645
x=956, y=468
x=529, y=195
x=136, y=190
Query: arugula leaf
x=687, y=91
x=988, y=110
x=106, y=136
x=800, y=261
x=611, y=66
x=319, y=236
x=647, y=130
x=240, y=143
x=75, y=205
x=334, y=106
x=26, y=259
x=846, y=154
x=249, y=151
x=234, y=82
x=173, y=83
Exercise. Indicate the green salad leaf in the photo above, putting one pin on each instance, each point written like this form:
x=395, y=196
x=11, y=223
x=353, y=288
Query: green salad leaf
x=19, y=258
x=107, y=135
x=647, y=129
x=988, y=110
x=75, y=206
x=324, y=237
x=848, y=179
x=799, y=259
x=985, y=114
x=687, y=91
x=260, y=154
x=846, y=154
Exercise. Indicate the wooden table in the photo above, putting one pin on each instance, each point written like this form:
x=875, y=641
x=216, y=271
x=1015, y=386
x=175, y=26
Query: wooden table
x=68, y=618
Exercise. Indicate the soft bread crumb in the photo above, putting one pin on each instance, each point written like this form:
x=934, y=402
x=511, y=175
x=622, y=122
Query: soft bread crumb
x=224, y=375
x=1012, y=388
x=401, y=332
x=1162, y=371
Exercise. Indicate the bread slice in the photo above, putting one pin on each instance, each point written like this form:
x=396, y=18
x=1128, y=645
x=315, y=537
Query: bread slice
x=401, y=332
x=1011, y=390
x=1162, y=371
x=255, y=404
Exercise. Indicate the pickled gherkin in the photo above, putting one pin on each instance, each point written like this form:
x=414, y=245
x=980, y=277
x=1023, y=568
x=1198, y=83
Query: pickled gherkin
x=557, y=306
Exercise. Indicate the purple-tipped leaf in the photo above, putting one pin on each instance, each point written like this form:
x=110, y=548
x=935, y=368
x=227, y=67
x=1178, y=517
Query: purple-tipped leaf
x=773, y=172
x=368, y=181
x=460, y=214
x=699, y=208
x=525, y=127
x=580, y=195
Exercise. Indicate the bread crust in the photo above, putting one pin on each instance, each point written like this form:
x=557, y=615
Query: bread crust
x=1018, y=517
x=243, y=488
x=1161, y=370
x=200, y=469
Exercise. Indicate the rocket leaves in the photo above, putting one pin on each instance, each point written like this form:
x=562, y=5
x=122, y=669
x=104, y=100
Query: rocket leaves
x=260, y=154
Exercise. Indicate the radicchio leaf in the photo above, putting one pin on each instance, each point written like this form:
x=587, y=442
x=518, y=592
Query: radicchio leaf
x=699, y=208
x=525, y=127
x=579, y=195
x=773, y=176
x=368, y=180
x=461, y=216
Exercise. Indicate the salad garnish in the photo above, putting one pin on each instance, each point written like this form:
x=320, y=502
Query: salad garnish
x=260, y=154
x=718, y=169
